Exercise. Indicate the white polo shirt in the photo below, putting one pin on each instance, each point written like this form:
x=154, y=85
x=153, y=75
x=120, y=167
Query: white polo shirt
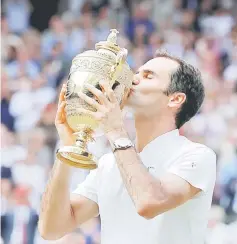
x=186, y=224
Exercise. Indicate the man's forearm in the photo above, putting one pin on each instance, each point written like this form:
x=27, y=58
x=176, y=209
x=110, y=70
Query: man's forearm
x=141, y=185
x=55, y=206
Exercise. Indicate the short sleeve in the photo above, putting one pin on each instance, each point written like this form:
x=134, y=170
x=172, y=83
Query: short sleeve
x=88, y=188
x=198, y=167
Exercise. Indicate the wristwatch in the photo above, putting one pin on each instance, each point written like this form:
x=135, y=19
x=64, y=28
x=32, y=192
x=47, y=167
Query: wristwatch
x=121, y=144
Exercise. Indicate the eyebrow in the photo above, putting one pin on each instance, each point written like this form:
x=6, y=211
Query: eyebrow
x=146, y=71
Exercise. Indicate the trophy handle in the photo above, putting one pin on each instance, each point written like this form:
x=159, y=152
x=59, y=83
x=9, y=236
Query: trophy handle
x=120, y=60
x=121, y=56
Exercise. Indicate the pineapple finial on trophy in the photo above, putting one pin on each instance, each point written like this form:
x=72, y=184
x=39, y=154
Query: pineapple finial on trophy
x=113, y=36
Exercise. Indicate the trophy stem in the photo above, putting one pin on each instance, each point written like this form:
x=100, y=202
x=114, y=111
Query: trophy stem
x=83, y=137
x=78, y=155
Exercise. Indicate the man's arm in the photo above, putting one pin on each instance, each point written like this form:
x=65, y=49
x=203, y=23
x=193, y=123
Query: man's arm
x=62, y=212
x=151, y=196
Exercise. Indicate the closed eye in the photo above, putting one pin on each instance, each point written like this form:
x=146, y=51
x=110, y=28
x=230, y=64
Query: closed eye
x=148, y=75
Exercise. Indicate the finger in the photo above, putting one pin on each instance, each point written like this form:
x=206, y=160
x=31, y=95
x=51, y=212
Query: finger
x=62, y=94
x=89, y=100
x=60, y=116
x=109, y=92
x=98, y=116
x=97, y=93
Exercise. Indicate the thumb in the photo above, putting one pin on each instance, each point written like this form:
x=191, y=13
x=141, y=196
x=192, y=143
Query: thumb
x=60, y=116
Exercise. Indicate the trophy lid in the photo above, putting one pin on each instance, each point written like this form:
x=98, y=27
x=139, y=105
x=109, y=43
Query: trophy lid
x=110, y=44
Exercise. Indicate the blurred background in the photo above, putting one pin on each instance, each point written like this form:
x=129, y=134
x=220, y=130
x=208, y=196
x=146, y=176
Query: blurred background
x=39, y=40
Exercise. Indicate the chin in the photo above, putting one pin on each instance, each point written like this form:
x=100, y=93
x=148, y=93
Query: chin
x=130, y=103
x=134, y=107
x=132, y=99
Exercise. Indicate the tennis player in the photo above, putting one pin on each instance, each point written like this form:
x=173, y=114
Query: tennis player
x=158, y=191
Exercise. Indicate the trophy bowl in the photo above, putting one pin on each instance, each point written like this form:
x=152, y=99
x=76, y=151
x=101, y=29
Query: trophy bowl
x=106, y=63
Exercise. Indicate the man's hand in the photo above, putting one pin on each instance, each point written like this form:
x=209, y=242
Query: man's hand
x=108, y=113
x=64, y=131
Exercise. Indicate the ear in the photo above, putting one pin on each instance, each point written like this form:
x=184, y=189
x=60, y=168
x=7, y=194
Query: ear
x=176, y=100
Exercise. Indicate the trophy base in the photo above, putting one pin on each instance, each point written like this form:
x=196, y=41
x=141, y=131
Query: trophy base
x=77, y=157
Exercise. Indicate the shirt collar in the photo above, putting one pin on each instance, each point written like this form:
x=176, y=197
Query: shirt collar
x=161, y=142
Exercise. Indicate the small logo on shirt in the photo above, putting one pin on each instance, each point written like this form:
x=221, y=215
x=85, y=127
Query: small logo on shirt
x=193, y=165
x=150, y=168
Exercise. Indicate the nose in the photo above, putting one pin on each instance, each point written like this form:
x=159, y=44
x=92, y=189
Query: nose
x=135, y=82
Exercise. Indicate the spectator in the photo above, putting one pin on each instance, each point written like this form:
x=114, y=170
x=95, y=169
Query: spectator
x=6, y=204
x=18, y=14
x=6, y=118
x=140, y=23
x=28, y=193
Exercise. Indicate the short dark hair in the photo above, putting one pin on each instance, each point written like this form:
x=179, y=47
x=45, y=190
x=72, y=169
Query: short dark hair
x=188, y=80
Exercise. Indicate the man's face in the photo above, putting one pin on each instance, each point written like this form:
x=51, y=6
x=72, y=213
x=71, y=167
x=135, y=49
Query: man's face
x=151, y=80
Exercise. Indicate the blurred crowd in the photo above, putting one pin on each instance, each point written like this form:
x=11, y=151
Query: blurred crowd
x=36, y=63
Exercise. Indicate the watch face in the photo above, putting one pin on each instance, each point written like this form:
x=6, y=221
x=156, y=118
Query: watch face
x=123, y=142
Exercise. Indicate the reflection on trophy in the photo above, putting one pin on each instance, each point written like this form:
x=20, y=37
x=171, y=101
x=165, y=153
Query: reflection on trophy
x=107, y=63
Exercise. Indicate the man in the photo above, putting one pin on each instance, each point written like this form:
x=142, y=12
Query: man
x=158, y=191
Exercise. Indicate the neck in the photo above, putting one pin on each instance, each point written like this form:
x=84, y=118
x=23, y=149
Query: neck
x=147, y=129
